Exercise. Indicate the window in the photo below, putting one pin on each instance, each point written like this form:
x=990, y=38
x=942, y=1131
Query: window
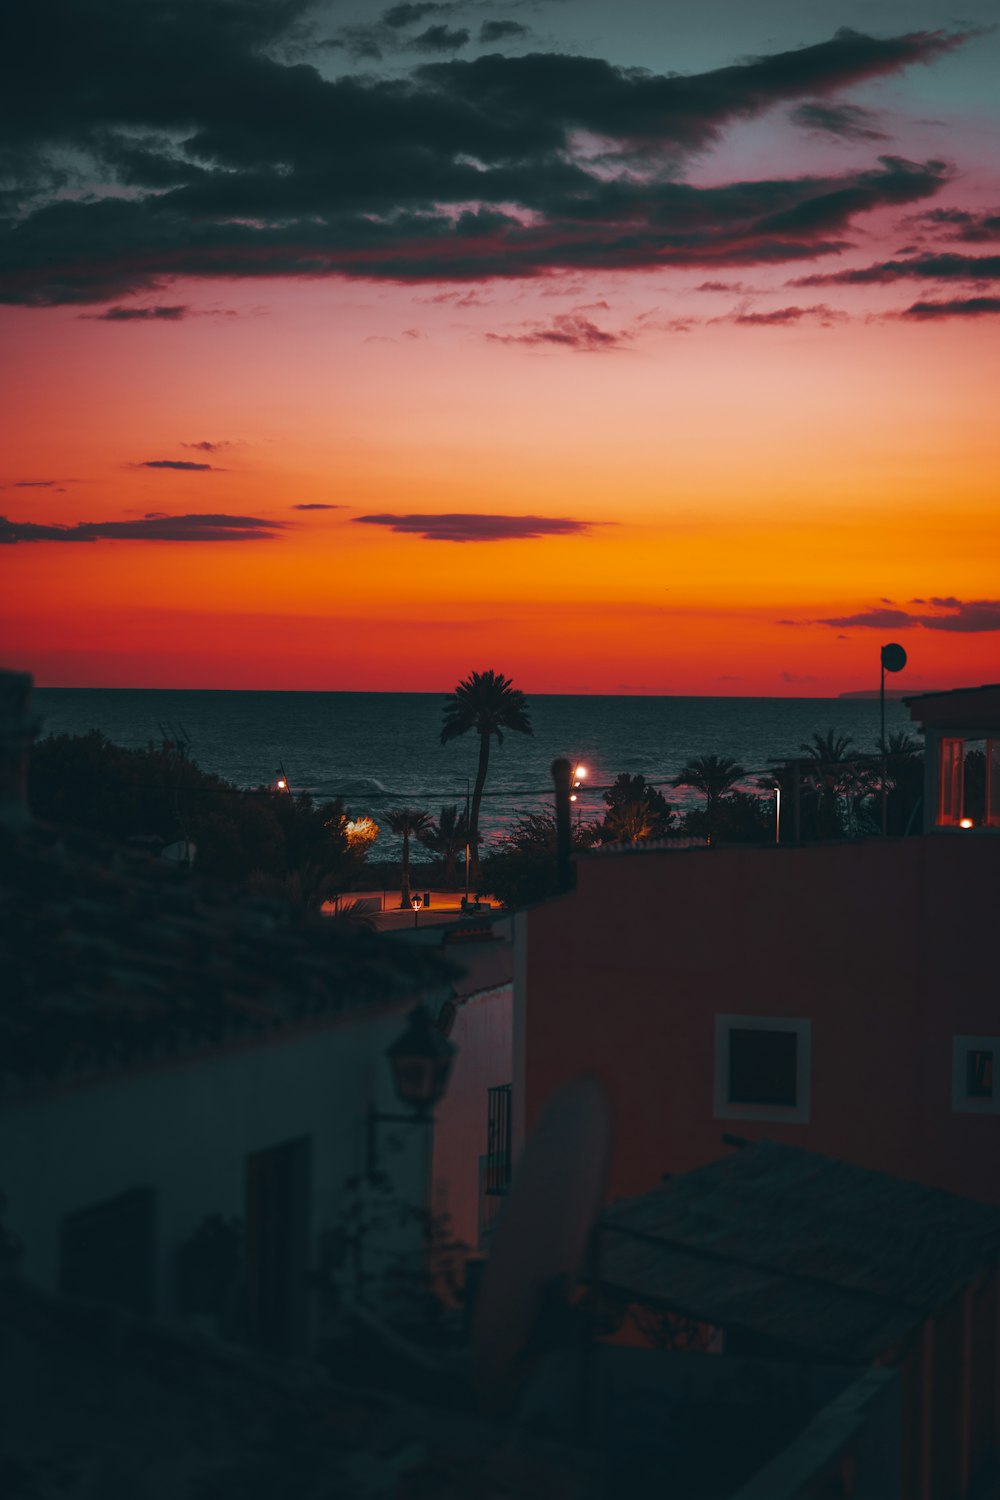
x=107, y=1252
x=762, y=1068
x=974, y=1084
x=950, y=789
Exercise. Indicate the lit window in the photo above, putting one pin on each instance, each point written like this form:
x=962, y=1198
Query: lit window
x=762, y=1068
x=974, y=1085
x=950, y=791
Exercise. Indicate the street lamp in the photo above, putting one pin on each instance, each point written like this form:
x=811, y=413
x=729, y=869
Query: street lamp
x=416, y=902
x=777, y=814
x=420, y=1061
x=579, y=776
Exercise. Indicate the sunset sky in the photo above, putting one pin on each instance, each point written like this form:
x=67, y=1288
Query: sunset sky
x=640, y=347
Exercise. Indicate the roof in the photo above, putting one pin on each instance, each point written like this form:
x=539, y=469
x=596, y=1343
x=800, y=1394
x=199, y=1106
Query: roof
x=111, y=959
x=973, y=708
x=814, y=1253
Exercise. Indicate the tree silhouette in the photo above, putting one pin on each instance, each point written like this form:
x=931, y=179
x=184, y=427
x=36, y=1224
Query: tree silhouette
x=407, y=823
x=636, y=812
x=713, y=776
x=488, y=703
x=834, y=775
x=447, y=839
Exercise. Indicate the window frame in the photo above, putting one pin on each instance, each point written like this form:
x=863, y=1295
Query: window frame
x=962, y=1102
x=788, y=1114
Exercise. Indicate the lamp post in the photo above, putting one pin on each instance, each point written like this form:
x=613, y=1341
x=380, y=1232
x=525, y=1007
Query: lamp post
x=777, y=813
x=416, y=902
x=579, y=776
x=893, y=659
x=281, y=779
x=420, y=1061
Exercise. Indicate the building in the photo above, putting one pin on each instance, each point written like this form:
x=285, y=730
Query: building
x=191, y=1089
x=798, y=1258
x=840, y=997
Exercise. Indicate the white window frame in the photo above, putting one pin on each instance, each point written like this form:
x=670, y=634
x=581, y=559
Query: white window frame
x=789, y=1114
x=961, y=1103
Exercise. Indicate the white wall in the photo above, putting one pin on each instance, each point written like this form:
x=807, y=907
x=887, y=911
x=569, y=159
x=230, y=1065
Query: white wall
x=186, y=1130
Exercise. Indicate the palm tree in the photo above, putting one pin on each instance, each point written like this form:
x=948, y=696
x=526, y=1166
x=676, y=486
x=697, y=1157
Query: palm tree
x=713, y=776
x=407, y=823
x=447, y=838
x=835, y=774
x=488, y=703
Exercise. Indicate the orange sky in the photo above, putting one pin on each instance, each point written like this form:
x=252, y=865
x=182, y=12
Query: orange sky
x=737, y=482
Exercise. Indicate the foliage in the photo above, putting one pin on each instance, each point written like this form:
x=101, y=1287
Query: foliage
x=488, y=703
x=447, y=839
x=272, y=842
x=739, y=818
x=522, y=868
x=207, y=1266
x=407, y=823
x=713, y=776
x=636, y=812
x=394, y=1256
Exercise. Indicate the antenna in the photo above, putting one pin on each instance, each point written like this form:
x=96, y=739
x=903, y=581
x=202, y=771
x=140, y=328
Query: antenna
x=541, y=1241
x=893, y=660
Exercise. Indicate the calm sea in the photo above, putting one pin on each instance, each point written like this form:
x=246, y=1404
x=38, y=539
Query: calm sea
x=379, y=750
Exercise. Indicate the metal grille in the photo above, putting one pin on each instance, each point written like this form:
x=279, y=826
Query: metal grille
x=498, y=1151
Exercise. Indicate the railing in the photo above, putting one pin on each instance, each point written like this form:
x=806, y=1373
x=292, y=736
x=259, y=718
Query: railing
x=498, y=1142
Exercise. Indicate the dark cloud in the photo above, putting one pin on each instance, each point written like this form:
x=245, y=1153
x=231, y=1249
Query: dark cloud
x=848, y=121
x=153, y=527
x=961, y=224
x=566, y=331
x=440, y=39
x=161, y=314
x=967, y=617
x=720, y=286
x=874, y=619
x=184, y=464
x=477, y=528
x=317, y=507
x=957, y=307
x=501, y=31
x=207, y=447
x=33, y=484
x=400, y=16
x=945, y=267
x=242, y=160
x=779, y=317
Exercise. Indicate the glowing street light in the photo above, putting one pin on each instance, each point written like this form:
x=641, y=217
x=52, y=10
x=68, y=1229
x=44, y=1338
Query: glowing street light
x=966, y=823
x=579, y=776
x=416, y=902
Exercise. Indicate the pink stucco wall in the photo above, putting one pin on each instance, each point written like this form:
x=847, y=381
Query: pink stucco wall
x=482, y=1035
x=889, y=948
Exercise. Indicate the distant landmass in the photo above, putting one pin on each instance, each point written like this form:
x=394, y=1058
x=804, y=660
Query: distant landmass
x=889, y=692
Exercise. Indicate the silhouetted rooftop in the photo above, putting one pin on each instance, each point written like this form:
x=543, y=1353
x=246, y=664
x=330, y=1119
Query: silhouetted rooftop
x=111, y=959
x=791, y=1246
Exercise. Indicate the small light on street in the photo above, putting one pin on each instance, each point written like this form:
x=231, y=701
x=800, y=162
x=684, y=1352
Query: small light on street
x=966, y=823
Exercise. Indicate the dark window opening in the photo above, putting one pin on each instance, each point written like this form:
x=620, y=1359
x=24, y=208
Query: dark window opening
x=979, y=1074
x=763, y=1067
x=107, y=1252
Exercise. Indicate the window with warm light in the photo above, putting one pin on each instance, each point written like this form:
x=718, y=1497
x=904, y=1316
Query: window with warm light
x=762, y=1068
x=951, y=766
x=975, y=1086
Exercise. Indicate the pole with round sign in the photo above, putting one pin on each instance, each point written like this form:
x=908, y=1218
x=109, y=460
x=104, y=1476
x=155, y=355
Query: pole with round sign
x=893, y=660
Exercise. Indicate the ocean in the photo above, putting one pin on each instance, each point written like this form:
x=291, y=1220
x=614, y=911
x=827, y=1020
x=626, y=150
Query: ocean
x=381, y=750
